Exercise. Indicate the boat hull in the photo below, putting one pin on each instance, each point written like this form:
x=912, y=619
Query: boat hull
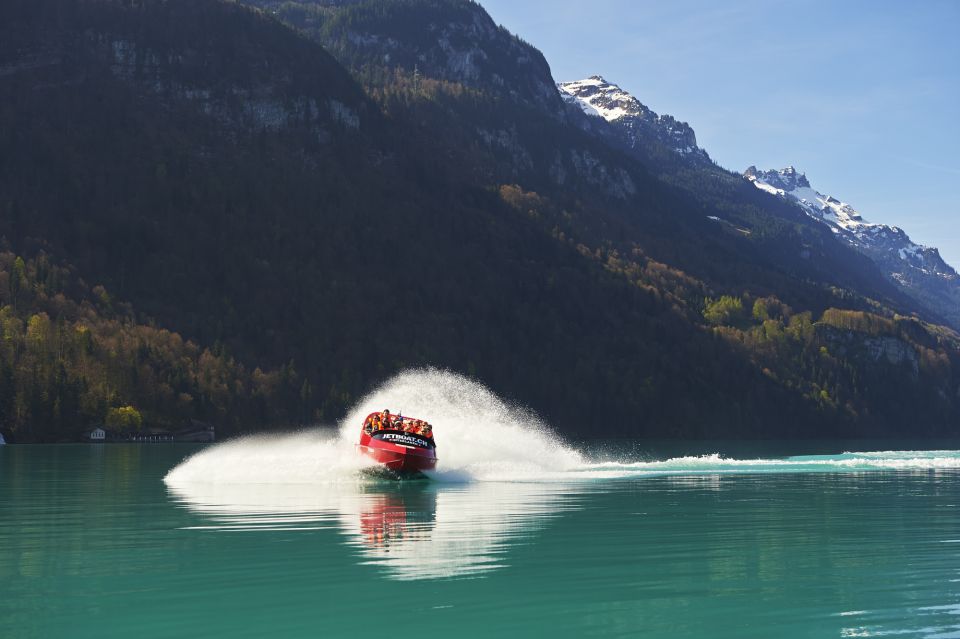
x=397, y=457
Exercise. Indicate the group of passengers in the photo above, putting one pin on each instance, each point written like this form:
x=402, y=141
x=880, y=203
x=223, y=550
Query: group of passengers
x=385, y=421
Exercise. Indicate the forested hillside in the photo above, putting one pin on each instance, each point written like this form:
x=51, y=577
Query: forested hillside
x=73, y=357
x=224, y=177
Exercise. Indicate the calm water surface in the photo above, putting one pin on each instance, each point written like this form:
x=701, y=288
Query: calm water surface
x=93, y=543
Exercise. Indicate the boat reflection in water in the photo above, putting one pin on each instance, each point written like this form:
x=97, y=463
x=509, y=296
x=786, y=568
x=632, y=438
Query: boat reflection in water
x=391, y=518
x=414, y=530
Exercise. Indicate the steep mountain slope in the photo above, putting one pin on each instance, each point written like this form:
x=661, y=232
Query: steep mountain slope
x=445, y=39
x=231, y=180
x=919, y=270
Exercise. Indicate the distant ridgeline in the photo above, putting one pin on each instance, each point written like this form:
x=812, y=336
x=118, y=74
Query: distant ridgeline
x=918, y=270
x=422, y=195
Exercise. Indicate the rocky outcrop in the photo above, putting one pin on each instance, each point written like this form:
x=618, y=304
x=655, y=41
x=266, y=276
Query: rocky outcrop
x=454, y=40
x=883, y=350
x=253, y=105
x=892, y=350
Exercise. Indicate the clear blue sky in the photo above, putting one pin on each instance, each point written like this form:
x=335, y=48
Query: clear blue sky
x=864, y=96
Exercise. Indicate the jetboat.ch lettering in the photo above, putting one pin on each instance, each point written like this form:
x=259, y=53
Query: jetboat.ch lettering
x=406, y=439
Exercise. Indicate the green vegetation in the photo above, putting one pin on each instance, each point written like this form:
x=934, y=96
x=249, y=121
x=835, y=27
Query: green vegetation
x=726, y=310
x=853, y=363
x=124, y=419
x=71, y=359
x=847, y=366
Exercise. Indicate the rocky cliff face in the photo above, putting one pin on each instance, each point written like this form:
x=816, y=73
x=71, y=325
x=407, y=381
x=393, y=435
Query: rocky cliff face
x=263, y=105
x=919, y=270
x=872, y=350
x=257, y=79
x=453, y=40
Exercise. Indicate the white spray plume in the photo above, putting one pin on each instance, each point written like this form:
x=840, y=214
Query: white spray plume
x=478, y=435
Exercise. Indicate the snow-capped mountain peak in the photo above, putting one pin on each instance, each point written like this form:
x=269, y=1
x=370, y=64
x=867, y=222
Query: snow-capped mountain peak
x=786, y=179
x=889, y=246
x=600, y=98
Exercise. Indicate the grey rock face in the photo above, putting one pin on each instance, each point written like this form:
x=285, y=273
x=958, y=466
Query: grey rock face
x=458, y=42
x=893, y=351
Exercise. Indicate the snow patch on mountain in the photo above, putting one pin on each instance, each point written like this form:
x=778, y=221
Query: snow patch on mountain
x=599, y=98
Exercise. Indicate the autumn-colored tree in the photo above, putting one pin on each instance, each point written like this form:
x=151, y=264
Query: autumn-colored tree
x=124, y=419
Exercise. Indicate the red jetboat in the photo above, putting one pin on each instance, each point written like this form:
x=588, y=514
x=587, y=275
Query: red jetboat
x=401, y=444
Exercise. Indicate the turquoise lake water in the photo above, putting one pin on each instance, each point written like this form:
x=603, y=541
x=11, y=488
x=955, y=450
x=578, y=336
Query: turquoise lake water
x=94, y=543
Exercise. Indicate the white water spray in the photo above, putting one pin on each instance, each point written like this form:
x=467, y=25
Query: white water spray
x=479, y=437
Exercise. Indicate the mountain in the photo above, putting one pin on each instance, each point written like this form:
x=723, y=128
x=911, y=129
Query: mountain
x=268, y=184
x=640, y=126
x=919, y=270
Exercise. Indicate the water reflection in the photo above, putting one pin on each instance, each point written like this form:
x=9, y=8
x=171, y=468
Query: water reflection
x=391, y=518
x=416, y=530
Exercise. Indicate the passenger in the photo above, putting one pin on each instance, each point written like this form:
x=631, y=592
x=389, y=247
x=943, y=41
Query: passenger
x=385, y=415
x=427, y=431
x=408, y=426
